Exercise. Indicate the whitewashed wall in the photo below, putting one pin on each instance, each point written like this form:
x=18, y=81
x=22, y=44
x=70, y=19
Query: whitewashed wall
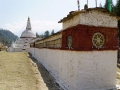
x=20, y=44
x=72, y=22
x=97, y=18
x=92, y=18
x=76, y=70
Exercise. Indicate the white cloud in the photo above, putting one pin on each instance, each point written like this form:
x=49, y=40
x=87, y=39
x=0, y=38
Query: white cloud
x=42, y=26
x=39, y=26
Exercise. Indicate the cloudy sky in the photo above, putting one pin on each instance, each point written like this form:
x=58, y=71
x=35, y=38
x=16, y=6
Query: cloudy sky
x=44, y=14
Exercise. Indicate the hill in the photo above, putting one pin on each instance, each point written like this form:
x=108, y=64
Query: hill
x=6, y=37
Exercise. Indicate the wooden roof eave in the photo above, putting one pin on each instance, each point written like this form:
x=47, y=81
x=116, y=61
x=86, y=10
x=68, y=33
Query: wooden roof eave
x=48, y=37
x=69, y=16
x=72, y=14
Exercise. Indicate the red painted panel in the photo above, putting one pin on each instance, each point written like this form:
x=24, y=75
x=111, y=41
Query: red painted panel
x=82, y=38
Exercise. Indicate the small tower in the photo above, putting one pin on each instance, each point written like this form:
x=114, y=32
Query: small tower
x=28, y=27
x=23, y=43
x=28, y=32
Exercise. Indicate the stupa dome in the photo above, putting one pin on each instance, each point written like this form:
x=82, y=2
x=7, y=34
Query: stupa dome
x=28, y=32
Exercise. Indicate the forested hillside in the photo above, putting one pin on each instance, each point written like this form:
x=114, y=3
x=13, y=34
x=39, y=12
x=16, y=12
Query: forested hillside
x=6, y=37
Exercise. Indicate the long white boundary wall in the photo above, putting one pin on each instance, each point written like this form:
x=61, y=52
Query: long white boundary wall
x=79, y=70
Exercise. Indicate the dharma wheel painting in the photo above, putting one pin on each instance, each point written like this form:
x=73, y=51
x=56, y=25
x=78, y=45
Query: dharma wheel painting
x=69, y=41
x=98, y=40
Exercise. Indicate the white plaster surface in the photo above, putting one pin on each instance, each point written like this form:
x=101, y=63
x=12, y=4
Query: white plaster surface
x=20, y=44
x=25, y=40
x=97, y=18
x=79, y=70
x=28, y=32
x=92, y=18
x=72, y=22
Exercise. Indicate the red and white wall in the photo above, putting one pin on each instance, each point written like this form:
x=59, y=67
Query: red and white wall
x=83, y=66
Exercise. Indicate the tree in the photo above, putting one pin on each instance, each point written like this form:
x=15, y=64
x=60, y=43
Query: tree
x=117, y=12
x=37, y=34
x=42, y=36
x=117, y=8
x=6, y=37
x=52, y=32
x=109, y=5
x=6, y=42
x=46, y=34
x=100, y=5
x=105, y=6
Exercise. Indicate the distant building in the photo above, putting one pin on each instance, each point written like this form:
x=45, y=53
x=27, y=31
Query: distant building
x=23, y=43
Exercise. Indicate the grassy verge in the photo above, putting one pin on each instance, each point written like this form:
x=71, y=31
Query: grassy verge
x=16, y=72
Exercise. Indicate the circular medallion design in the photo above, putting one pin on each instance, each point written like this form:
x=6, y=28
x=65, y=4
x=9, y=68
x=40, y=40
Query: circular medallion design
x=98, y=40
x=69, y=41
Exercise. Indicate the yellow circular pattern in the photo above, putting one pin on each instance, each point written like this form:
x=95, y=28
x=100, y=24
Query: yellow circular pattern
x=98, y=40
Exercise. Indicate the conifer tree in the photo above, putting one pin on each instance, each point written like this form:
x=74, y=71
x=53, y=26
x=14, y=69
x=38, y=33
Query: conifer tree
x=37, y=34
x=117, y=12
x=117, y=8
x=109, y=5
x=52, y=32
x=100, y=5
x=46, y=34
x=106, y=3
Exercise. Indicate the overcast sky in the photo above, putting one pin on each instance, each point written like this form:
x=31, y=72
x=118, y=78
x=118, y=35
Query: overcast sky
x=44, y=14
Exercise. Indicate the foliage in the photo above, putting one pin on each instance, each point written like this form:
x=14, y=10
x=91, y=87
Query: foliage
x=42, y=36
x=117, y=12
x=107, y=7
x=46, y=34
x=6, y=37
x=52, y=32
x=37, y=34
x=117, y=8
x=100, y=5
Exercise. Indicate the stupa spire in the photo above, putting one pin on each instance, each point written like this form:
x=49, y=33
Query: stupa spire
x=28, y=27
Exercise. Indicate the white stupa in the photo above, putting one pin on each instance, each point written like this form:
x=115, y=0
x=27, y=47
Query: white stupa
x=23, y=43
x=28, y=32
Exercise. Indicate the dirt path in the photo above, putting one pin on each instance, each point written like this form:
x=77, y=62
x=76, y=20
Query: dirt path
x=19, y=72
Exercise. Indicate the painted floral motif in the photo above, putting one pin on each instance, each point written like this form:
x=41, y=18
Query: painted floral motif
x=98, y=40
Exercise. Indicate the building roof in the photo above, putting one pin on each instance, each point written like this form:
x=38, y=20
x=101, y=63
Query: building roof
x=74, y=13
x=28, y=32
